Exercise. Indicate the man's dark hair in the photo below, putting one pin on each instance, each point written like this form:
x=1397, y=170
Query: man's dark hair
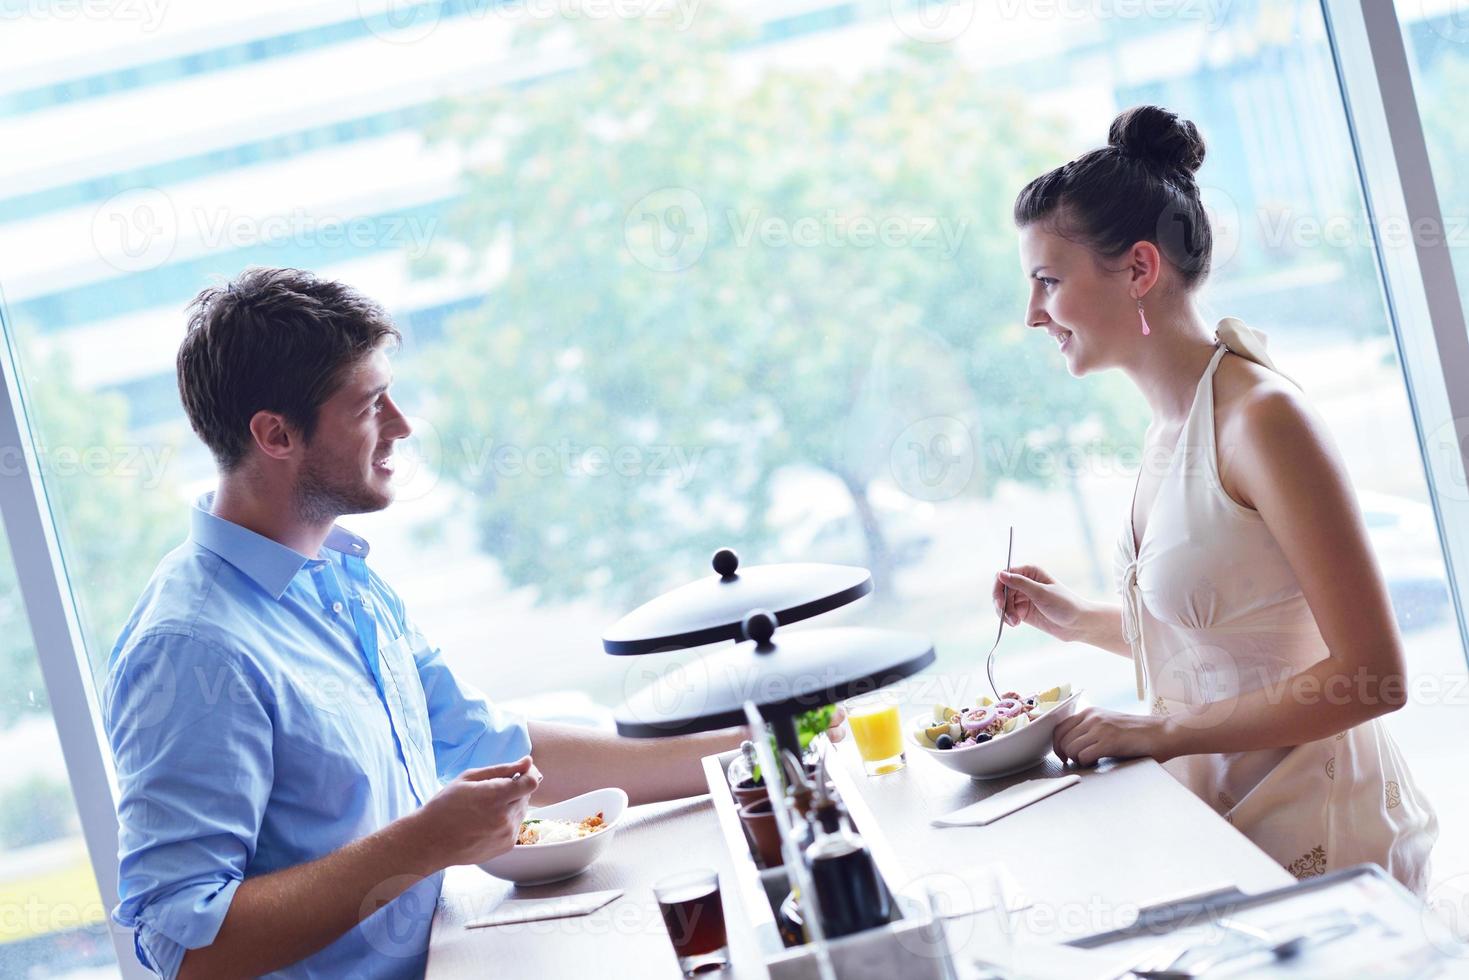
x=274, y=340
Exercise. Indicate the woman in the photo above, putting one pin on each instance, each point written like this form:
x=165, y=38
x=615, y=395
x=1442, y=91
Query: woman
x=1253, y=610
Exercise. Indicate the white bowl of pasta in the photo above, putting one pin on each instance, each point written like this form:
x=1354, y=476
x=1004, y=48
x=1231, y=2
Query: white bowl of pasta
x=562, y=839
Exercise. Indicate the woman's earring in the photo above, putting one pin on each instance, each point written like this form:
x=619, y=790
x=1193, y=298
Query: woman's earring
x=1143, y=317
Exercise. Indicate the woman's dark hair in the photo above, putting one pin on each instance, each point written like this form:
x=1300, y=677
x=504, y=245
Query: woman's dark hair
x=1138, y=188
x=274, y=340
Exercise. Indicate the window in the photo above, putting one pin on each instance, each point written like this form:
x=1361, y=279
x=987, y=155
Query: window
x=52, y=920
x=716, y=276
x=1437, y=34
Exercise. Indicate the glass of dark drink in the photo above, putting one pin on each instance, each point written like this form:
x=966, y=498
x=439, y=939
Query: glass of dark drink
x=694, y=915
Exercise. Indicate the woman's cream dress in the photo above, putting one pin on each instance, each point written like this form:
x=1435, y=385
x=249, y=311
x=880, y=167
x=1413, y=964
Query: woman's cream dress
x=1212, y=610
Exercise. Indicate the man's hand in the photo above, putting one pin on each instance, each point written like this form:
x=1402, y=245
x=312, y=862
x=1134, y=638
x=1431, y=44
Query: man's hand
x=478, y=815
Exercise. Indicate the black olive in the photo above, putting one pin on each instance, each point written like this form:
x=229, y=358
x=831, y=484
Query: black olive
x=944, y=741
x=983, y=737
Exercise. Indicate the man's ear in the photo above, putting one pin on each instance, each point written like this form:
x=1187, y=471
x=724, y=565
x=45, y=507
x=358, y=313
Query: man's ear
x=273, y=435
x=1145, y=264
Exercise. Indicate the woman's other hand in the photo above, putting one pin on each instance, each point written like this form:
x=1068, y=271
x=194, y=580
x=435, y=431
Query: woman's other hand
x=1093, y=734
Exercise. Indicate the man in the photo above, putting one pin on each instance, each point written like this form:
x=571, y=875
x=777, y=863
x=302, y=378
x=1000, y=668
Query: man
x=296, y=763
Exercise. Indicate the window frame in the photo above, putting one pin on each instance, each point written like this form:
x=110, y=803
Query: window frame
x=1390, y=150
x=57, y=637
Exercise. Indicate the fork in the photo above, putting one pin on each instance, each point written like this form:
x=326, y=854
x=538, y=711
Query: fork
x=1283, y=949
x=989, y=662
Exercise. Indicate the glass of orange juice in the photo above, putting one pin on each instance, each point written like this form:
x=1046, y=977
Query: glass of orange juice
x=877, y=732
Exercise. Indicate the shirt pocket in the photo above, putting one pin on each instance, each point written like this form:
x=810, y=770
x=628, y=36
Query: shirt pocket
x=401, y=683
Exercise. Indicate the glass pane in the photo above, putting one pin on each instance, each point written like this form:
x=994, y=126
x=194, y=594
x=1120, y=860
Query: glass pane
x=52, y=922
x=1437, y=33
x=668, y=283
x=1437, y=36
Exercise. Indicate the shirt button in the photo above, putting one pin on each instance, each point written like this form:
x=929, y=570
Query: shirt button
x=336, y=607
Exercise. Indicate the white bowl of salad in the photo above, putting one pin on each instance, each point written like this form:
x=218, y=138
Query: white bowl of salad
x=561, y=840
x=995, y=738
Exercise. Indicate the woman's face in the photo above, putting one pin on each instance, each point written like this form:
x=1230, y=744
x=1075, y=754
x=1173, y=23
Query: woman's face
x=1086, y=309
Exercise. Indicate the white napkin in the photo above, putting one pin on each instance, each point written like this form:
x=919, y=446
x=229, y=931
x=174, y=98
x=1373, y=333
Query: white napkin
x=1006, y=802
x=540, y=909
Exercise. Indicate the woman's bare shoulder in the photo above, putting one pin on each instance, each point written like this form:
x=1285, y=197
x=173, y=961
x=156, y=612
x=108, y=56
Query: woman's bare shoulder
x=1255, y=405
x=1245, y=394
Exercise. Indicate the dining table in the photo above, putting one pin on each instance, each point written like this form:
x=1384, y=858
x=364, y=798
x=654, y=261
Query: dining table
x=1085, y=860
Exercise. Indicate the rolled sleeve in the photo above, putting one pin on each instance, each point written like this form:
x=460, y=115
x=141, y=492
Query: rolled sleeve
x=468, y=731
x=191, y=734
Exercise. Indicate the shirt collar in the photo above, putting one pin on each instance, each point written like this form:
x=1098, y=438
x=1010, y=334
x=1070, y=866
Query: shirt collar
x=270, y=564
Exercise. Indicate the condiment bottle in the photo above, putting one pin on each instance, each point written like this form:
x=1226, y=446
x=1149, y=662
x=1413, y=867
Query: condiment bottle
x=848, y=888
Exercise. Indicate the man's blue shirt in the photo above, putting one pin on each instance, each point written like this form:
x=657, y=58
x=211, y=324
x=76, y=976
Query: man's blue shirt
x=265, y=709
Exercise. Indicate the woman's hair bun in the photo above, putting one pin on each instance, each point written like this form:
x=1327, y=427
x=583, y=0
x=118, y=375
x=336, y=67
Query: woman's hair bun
x=1162, y=140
